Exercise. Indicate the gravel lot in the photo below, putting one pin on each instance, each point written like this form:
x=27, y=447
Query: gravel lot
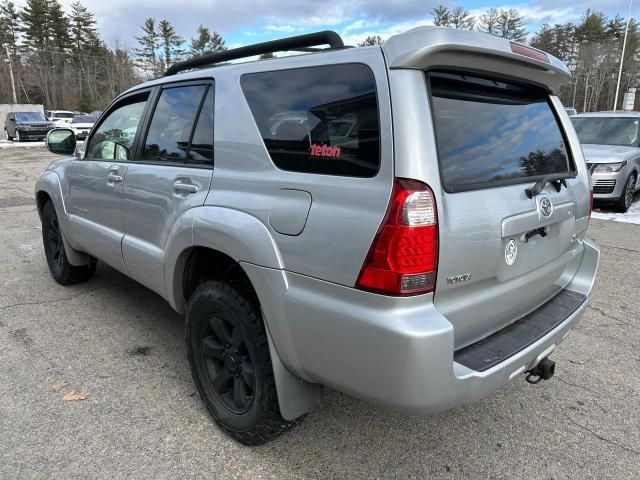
x=123, y=345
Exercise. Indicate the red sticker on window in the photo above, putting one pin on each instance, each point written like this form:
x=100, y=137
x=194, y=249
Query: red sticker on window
x=325, y=151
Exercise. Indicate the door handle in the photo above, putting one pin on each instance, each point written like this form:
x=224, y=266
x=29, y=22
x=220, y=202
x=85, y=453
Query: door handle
x=113, y=178
x=185, y=187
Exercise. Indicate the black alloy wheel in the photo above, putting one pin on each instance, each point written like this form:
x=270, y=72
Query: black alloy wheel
x=228, y=364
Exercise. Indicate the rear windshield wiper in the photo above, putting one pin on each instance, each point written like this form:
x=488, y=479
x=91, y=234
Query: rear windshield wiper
x=557, y=183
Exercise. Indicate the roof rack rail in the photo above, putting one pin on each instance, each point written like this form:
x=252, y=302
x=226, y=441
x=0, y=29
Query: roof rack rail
x=297, y=43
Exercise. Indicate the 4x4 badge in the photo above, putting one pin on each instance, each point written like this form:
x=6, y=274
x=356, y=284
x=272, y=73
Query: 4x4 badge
x=510, y=252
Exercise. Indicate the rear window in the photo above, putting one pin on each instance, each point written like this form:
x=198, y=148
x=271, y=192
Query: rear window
x=319, y=119
x=491, y=133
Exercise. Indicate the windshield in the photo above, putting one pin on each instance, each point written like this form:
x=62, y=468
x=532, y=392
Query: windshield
x=607, y=130
x=30, y=117
x=83, y=119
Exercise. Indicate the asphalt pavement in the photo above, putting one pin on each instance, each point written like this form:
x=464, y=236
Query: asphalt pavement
x=122, y=345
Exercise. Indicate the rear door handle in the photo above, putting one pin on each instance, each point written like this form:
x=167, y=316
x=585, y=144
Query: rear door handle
x=185, y=187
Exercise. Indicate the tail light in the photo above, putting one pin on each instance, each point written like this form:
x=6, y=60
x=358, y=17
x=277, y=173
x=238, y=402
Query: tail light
x=403, y=258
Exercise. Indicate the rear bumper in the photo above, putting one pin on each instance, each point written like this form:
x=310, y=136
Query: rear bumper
x=397, y=352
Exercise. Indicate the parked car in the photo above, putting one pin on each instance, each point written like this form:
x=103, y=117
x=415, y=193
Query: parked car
x=570, y=111
x=61, y=118
x=416, y=239
x=82, y=125
x=611, y=146
x=26, y=126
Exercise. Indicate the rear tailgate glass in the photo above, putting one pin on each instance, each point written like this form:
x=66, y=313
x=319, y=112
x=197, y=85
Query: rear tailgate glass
x=491, y=133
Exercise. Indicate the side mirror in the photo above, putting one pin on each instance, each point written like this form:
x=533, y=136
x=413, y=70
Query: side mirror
x=61, y=141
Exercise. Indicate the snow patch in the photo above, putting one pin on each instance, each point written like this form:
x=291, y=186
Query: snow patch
x=631, y=216
x=6, y=144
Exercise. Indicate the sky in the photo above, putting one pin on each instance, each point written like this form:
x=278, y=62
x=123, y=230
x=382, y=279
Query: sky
x=243, y=22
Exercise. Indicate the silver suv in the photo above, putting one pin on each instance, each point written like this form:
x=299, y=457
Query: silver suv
x=403, y=223
x=611, y=146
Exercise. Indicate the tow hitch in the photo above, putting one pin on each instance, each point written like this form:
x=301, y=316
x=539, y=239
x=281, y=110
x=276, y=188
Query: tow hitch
x=543, y=371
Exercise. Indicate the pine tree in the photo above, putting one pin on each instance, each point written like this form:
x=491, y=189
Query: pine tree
x=58, y=25
x=511, y=25
x=36, y=26
x=149, y=44
x=441, y=16
x=371, y=40
x=489, y=21
x=461, y=19
x=207, y=42
x=9, y=25
x=170, y=42
x=84, y=35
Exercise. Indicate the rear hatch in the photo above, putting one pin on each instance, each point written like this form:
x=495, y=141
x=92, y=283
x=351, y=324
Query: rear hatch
x=505, y=247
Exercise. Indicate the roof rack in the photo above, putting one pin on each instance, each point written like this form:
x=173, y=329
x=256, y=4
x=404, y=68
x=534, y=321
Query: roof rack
x=303, y=43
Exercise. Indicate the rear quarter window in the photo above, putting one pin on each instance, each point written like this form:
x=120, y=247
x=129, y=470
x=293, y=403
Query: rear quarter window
x=320, y=120
x=491, y=133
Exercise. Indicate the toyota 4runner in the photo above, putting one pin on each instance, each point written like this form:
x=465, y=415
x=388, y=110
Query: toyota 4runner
x=403, y=223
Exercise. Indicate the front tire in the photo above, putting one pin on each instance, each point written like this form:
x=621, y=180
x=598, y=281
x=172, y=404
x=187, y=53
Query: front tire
x=626, y=198
x=230, y=362
x=6, y=134
x=61, y=270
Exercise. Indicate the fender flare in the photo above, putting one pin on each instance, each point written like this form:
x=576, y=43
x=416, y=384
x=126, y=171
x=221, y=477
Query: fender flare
x=49, y=183
x=239, y=235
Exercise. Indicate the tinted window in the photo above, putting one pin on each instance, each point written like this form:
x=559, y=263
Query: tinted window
x=201, y=150
x=114, y=137
x=83, y=119
x=491, y=133
x=319, y=119
x=63, y=115
x=172, y=123
x=607, y=130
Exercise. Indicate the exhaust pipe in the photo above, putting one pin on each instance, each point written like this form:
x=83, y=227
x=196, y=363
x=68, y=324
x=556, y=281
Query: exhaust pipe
x=543, y=371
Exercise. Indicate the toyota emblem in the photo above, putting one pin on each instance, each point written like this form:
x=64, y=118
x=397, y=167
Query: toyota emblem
x=546, y=207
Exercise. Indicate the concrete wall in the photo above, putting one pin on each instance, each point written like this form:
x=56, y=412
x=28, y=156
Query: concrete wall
x=18, y=107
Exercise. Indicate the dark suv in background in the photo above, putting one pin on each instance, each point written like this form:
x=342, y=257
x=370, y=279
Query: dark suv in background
x=26, y=126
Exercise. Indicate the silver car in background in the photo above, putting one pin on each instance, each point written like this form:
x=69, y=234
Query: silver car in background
x=611, y=145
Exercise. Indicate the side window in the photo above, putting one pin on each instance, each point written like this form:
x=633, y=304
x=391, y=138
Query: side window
x=114, y=137
x=201, y=150
x=172, y=123
x=318, y=119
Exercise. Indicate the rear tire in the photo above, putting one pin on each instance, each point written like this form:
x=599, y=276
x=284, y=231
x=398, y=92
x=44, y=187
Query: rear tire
x=626, y=197
x=61, y=270
x=230, y=362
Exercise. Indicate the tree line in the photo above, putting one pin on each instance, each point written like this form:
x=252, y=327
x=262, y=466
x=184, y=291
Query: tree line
x=60, y=60
x=58, y=57
x=591, y=48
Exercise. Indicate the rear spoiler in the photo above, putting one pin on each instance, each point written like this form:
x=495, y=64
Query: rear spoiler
x=431, y=48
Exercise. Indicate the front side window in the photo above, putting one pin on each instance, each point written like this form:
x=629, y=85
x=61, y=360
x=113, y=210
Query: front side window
x=320, y=120
x=172, y=123
x=491, y=133
x=607, y=130
x=114, y=137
